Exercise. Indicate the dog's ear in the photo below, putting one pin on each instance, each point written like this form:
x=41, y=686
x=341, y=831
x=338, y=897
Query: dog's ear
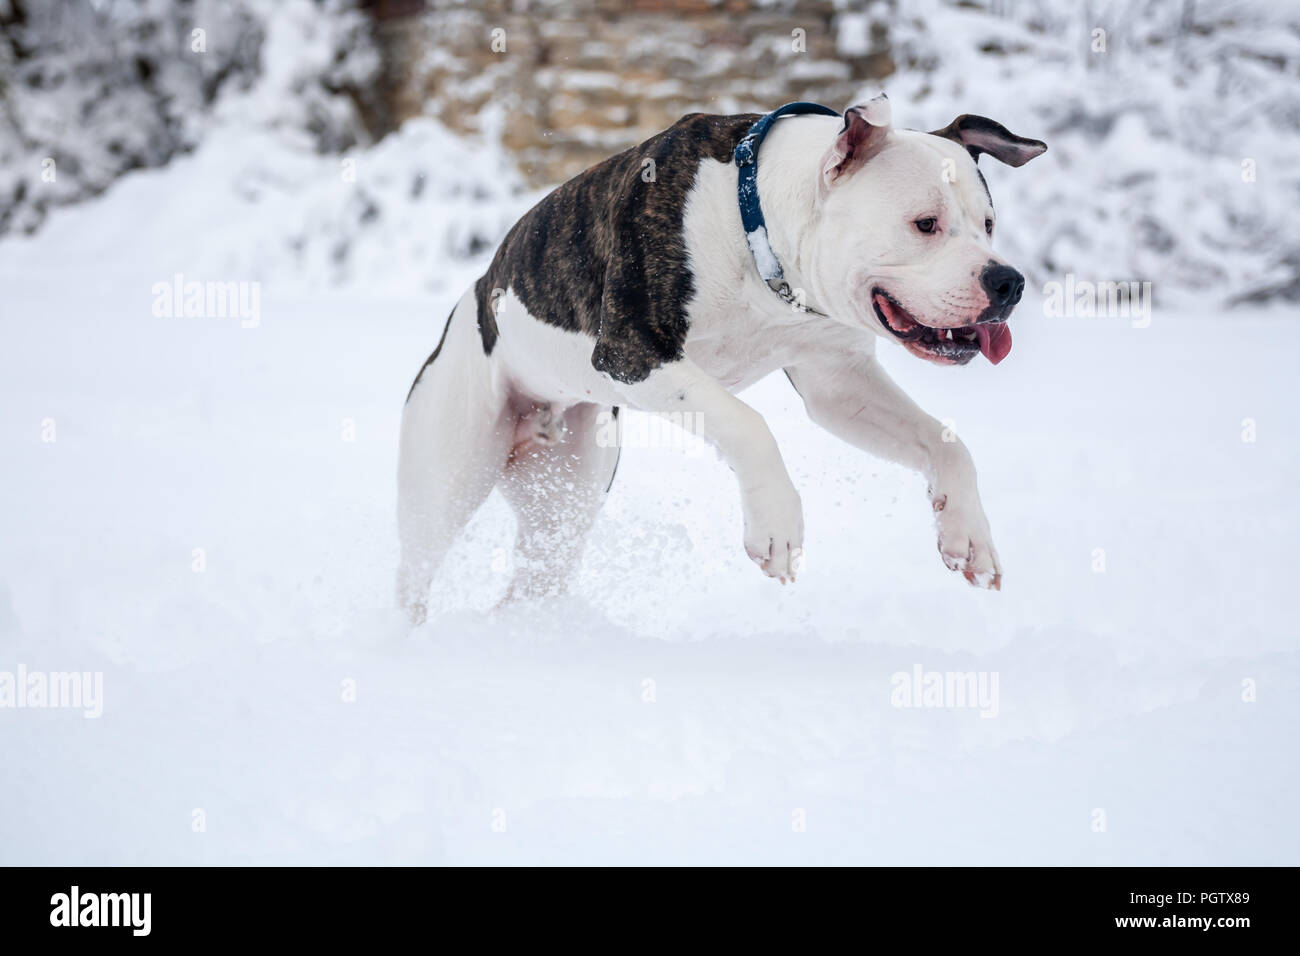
x=979, y=134
x=864, y=132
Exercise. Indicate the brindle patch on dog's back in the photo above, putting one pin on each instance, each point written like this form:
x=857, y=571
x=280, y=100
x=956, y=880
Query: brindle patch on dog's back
x=604, y=254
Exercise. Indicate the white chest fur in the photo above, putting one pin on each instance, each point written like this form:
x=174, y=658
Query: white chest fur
x=740, y=330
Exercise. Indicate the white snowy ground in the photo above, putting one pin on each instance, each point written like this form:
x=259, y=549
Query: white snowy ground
x=524, y=736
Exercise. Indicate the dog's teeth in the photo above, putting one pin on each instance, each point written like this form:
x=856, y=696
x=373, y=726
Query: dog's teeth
x=948, y=335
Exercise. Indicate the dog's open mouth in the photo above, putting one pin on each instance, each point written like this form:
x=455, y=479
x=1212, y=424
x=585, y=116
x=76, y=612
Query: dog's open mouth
x=942, y=346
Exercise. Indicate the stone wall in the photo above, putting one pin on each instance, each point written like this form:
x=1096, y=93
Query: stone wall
x=566, y=83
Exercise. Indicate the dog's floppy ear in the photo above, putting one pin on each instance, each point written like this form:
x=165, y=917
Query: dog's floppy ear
x=979, y=134
x=864, y=132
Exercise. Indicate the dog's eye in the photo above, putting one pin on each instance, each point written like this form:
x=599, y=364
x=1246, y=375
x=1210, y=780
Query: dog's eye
x=988, y=226
x=926, y=225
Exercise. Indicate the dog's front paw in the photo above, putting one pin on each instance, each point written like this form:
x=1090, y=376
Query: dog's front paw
x=965, y=543
x=774, y=532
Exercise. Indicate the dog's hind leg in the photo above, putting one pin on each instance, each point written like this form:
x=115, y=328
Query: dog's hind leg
x=456, y=436
x=559, y=472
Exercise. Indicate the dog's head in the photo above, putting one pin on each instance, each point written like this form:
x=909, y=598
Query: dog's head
x=903, y=242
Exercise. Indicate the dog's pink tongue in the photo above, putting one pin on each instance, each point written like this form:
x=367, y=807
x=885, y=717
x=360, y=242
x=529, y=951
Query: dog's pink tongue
x=995, y=341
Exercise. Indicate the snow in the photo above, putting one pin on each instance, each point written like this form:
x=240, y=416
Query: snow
x=271, y=707
x=853, y=34
x=764, y=258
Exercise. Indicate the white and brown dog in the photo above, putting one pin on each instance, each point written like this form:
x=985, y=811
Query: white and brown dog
x=657, y=280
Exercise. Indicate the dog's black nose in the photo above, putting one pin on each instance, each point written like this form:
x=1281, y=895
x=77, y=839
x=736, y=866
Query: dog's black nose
x=1003, y=284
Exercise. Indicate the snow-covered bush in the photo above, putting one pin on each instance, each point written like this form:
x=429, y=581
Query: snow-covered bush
x=406, y=216
x=89, y=91
x=1172, y=127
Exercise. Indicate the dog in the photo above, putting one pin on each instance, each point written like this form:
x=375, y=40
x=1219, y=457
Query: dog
x=683, y=270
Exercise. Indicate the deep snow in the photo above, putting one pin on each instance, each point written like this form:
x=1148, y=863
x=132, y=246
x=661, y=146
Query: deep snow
x=525, y=735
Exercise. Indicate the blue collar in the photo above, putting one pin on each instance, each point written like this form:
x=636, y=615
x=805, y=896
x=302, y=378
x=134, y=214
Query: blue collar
x=751, y=213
